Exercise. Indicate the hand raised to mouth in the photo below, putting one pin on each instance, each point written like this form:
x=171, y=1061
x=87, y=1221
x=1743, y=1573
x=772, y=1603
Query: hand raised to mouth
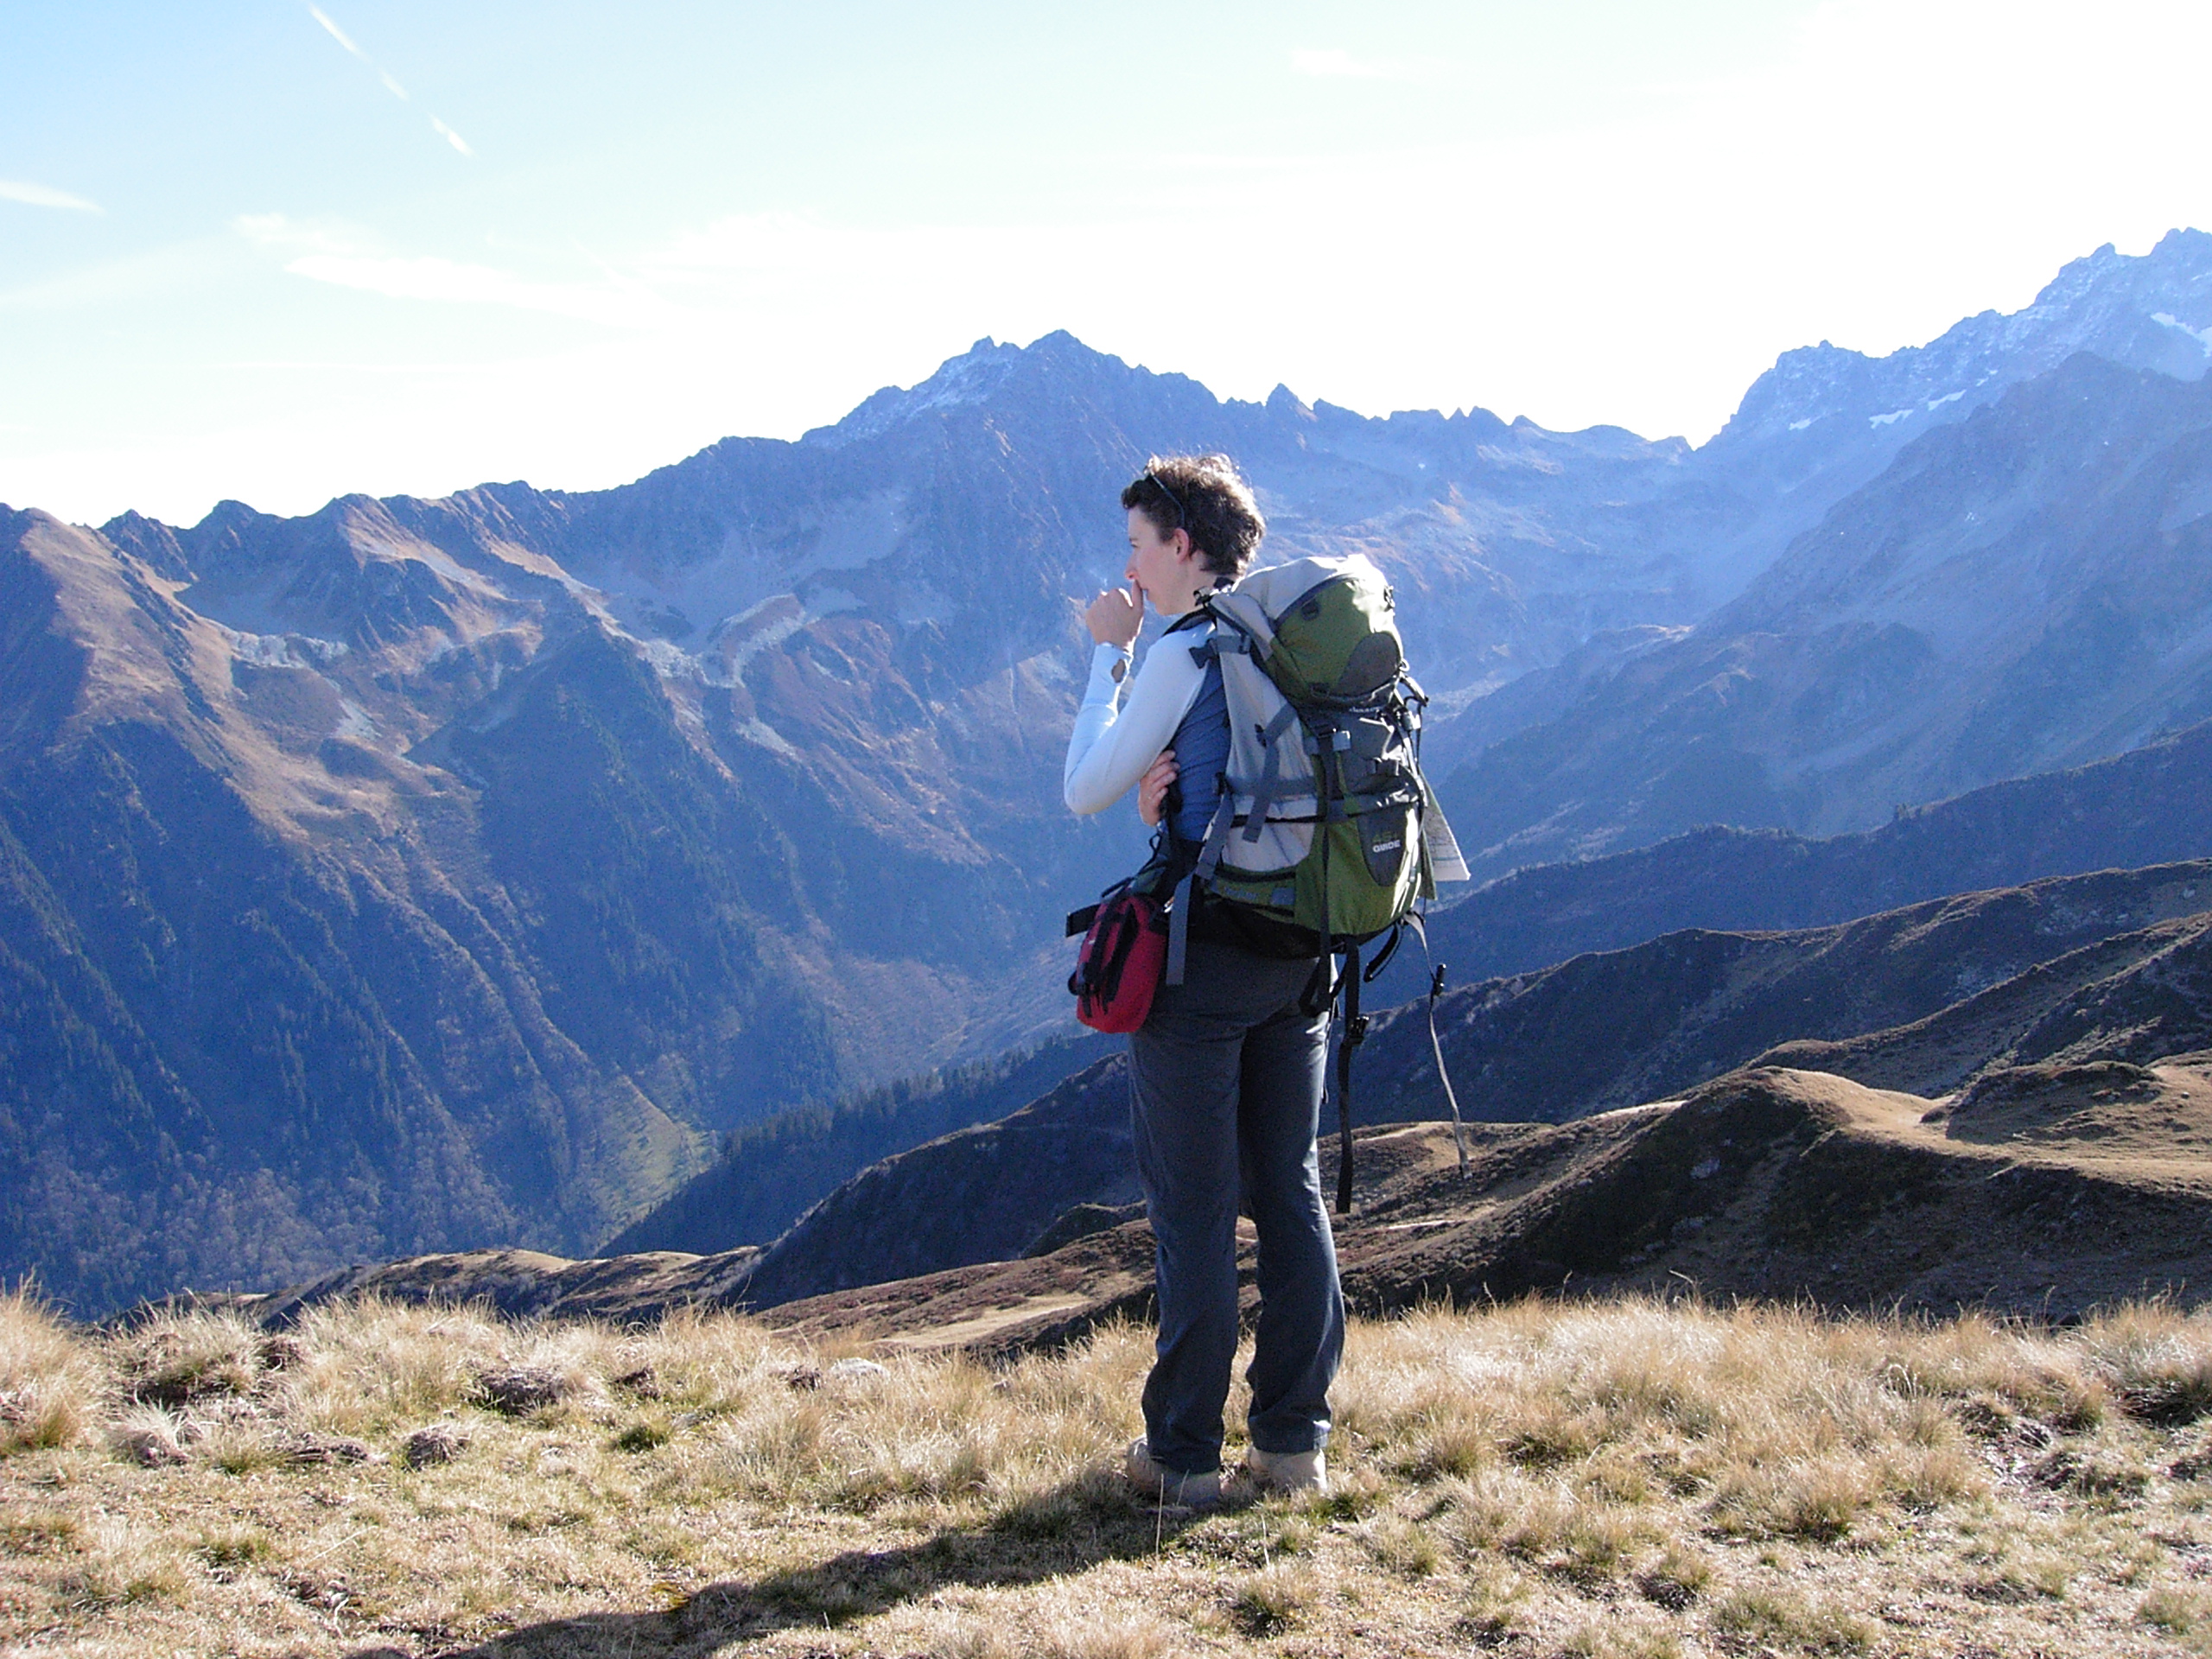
x=1115, y=615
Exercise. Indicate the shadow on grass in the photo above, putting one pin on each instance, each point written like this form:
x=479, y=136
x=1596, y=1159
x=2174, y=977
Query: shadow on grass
x=1065, y=1531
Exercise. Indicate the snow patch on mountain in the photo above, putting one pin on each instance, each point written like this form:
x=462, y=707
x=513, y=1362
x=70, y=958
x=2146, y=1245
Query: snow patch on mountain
x=2121, y=307
x=959, y=383
x=442, y=563
x=262, y=650
x=2201, y=336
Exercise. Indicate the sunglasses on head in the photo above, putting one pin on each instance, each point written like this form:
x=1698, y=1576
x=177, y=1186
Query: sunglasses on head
x=1174, y=500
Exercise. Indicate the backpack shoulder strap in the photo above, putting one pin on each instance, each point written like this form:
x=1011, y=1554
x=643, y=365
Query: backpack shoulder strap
x=1197, y=619
x=1244, y=613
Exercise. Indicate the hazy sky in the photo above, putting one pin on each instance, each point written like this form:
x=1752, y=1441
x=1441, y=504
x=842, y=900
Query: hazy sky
x=278, y=251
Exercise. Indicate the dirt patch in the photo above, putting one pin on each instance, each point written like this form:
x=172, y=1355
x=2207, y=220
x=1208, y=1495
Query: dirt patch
x=985, y=1326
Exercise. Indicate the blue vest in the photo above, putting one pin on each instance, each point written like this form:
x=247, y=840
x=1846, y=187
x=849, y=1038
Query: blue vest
x=1201, y=748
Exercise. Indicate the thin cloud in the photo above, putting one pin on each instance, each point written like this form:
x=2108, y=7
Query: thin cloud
x=316, y=236
x=390, y=85
x=196, y=265
x=426, y=277
x=334, y=253
x=334, y=366
x=40, y=195
x=1332, y=63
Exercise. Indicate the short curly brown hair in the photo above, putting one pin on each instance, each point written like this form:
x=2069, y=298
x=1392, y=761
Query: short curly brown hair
x=1208, y=497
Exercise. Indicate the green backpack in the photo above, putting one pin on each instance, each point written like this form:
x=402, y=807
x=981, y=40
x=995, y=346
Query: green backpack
x=1327, y=832
x=1326, y=828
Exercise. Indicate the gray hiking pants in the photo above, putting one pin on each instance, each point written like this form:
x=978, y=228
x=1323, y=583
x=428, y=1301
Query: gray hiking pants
x=1226, y=1079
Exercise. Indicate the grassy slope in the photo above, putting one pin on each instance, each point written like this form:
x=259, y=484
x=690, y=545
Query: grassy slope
x=1659, y=1018
x=1621, y=1478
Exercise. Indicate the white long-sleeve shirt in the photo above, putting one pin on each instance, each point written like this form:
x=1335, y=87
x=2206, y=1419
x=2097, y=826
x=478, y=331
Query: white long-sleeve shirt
x=1112, y=744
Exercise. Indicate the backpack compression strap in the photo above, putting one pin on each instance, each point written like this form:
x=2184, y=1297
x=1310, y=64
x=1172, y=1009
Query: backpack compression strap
x=1355, y=1033
x=1275, y=783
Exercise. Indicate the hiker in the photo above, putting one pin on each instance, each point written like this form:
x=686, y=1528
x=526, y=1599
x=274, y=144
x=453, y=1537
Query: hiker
x=1226, y=1071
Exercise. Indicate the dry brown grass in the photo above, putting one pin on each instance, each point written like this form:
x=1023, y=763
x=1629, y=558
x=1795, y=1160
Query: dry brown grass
x=48, y=1379
x=1615, y=1481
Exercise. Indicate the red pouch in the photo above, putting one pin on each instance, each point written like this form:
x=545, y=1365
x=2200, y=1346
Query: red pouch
x=1119, y=965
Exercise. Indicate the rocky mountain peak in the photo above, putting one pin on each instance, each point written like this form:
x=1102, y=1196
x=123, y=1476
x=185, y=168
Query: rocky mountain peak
x=2148, y=311
x=2175, y=276
x=959, y=382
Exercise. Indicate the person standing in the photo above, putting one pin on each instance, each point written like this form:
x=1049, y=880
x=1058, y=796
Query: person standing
x=1226, y=1073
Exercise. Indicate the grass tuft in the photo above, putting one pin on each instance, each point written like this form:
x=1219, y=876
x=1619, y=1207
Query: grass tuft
x=47, y=1379
x=1795, y=1622
x=1404, y=1546
x=235, y=1546
x=2158, y=1362
x=1678, y=1577
x=1273, y=1600
x=176, y=1359
x=647, y=1436
x=2176, y=1611
x=1620, y=1638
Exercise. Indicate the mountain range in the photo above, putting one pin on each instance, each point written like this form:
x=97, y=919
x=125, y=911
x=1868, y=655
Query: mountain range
x=2150, y=805
x=418, y=874
x=2023, y=590
x=1925, y=999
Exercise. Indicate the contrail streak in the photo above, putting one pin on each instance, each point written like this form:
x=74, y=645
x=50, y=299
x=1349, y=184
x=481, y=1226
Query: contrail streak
x=385, y=75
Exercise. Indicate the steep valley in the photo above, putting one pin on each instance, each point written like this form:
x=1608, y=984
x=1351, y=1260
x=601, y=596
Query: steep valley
x=417, y=875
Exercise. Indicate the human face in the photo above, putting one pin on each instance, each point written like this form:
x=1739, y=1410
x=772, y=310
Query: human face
x=1164, y=567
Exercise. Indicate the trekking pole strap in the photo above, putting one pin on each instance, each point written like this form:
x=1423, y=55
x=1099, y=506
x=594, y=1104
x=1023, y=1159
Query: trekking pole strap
x=1435, y=1045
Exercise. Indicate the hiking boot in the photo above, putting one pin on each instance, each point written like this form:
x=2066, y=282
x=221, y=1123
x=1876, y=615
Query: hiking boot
x=1197, y=1491
x=1287, y=1472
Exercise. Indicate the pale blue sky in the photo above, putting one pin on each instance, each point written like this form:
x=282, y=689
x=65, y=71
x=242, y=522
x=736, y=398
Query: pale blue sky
x=236, y=261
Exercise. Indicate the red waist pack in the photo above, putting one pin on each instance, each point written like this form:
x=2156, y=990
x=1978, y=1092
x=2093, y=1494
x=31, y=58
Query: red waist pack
x=1123, y=954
